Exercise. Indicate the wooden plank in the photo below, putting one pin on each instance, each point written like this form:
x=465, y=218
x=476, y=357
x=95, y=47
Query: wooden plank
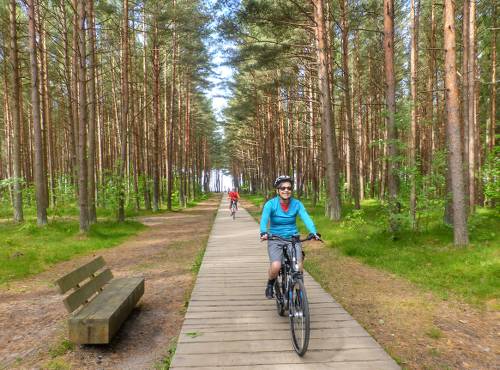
x=98, y=322
x=196, y=336
x=273, y=345
x=82, y=294
x=257, y=359
x=337, y=365
x=75, y=277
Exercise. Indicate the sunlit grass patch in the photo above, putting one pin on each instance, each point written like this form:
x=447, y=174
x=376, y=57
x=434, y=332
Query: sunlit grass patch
x=27, y=249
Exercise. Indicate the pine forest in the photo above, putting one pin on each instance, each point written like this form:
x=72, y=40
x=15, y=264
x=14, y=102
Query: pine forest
x=105, y=105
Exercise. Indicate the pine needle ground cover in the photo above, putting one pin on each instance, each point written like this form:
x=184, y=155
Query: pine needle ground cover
x=426, y=257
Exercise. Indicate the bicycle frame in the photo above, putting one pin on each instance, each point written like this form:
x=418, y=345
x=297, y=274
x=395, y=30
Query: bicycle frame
x=289, y=268
x=291, y=295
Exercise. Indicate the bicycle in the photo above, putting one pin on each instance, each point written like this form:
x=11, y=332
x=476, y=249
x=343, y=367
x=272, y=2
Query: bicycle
x=290, y=294
x=233, y=209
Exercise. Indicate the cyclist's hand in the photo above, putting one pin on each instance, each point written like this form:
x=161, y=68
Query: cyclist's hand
x=316, y=236
x=264, y=236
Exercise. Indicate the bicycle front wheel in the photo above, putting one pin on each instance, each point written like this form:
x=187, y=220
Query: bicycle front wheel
x=300, y=320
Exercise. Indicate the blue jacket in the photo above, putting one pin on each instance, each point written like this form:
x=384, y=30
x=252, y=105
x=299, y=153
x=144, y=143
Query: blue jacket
x=284, y=223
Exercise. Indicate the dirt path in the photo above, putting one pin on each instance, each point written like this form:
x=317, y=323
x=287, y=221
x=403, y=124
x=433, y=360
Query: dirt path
x=32, y=316
x=420, y=330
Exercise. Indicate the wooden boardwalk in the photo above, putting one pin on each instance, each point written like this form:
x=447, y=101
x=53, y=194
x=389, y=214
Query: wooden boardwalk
x=229, y=323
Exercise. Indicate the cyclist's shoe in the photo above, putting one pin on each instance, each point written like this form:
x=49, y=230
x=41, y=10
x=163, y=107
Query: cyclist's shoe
x=269, y=291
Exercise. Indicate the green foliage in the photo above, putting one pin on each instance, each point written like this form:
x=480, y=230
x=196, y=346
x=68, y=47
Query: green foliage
x=491, y=177
x=61, y=348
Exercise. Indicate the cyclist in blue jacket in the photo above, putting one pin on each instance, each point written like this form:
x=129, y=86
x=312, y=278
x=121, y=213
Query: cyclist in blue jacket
x=281, y=212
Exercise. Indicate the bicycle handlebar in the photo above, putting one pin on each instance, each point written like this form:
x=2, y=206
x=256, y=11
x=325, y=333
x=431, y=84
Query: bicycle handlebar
x=293, y=240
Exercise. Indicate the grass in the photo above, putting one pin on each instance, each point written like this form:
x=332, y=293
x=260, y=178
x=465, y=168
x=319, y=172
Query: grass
x=28, y=249
x=165, y=363
x=426, y=257
x=61, y=348
x=195, y=268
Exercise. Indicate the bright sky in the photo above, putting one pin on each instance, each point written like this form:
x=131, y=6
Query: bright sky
x=219, y=94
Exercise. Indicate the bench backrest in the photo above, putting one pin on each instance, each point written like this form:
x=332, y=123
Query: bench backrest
x=84, y=282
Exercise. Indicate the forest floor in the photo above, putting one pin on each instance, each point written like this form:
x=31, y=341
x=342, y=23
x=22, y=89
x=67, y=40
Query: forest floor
x=419, y=329
x=32, y=316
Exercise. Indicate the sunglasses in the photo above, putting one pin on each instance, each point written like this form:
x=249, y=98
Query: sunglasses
x=283, y=188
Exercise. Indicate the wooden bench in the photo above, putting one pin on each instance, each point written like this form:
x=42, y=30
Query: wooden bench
x=100, y=304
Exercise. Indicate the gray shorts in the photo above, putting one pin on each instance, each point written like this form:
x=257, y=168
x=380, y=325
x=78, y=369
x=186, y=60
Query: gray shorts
x=275, y=250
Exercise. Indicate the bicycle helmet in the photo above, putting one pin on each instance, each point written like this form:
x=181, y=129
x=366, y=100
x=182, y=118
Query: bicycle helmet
x=281, y=179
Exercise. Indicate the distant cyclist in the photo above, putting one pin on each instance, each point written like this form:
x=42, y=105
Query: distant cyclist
x=282, y=212
x=234, y=198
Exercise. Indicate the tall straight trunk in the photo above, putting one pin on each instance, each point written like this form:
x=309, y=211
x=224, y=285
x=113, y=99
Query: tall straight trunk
x=41, y=210
x=142, y=148
x=471, y=84
x=493, y=95
x=170, y=160
x=16, y=116
x=414, y=15
x=47, y=113
x=156, y=109
x=460, y=233
x=328, y=132
x=92, y=114
x=82, y=117
x=74, y=88
x=69, y=90
x=465, y=91
x=124, y=112
x=426, y=152
x=353, y=162
x=391, y=132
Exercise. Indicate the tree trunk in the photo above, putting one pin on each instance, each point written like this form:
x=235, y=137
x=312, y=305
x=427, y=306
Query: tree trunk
x=35, y=102
x=92, y=214
x=471, y=84
x=124, y=113
x=156, y=109
x=493, y=96
x=414, y=15
x=328, y=132
x=16, y=117
x=453, y=128
x=82, y=117
x=392, y=137
x=353, y=161
x=170, y=159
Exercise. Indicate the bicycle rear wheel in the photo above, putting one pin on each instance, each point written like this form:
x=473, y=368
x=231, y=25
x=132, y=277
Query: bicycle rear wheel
x=299, y=318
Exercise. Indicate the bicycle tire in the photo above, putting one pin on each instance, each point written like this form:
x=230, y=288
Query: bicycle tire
x=300, y=321
x=280, y=302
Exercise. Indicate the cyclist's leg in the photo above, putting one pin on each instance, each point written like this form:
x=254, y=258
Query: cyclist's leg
x=275, y=256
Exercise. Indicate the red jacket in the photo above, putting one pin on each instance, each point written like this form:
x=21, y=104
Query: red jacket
x=234, y=195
